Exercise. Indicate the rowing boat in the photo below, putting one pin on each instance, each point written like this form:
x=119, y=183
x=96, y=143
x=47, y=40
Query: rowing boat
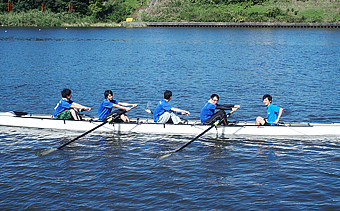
x=21, y=119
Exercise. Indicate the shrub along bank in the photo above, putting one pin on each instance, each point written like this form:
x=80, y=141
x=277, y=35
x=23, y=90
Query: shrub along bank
x=47, y=13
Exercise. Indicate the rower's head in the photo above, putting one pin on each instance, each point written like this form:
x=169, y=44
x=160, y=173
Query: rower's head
x=214, y=98
x=167, y=95
x=267, y=99
x=66, y=93
x=108, y=94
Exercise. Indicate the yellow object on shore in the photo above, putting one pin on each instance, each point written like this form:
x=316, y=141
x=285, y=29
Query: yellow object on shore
x=129, y=19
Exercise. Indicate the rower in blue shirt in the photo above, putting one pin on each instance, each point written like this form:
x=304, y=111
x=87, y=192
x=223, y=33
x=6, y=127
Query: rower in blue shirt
x=165, y=112
x=274, y=113
x=108, y=103
x=208, y=115
x=66, y=108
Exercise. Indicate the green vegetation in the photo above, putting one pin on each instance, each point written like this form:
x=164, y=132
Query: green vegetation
x=287, y=11
x=107, y=13
x=56, y=12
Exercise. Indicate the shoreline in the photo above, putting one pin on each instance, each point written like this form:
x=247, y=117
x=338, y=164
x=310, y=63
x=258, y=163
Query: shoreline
x=197, y=24
x=231, y=24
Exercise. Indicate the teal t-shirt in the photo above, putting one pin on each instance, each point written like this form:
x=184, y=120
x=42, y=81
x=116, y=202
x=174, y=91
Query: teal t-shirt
x=272, y=113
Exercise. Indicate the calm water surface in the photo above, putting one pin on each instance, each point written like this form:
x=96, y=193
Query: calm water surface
x=300, y=68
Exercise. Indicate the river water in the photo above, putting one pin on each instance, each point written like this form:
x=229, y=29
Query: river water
x=300, y=68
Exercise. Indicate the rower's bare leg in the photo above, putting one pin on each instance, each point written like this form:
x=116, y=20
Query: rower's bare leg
x=74, y=114
x=125, y=118
x=260, y=121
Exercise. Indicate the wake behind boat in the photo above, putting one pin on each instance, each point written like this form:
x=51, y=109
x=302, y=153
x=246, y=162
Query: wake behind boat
x=22, y=119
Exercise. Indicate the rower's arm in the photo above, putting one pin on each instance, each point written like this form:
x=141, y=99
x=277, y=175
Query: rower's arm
x=128, y=104
x=121, y=107
x=78, y=106
x=224, y=107
x=279, y=116
x=228, y=107
x=183, y=112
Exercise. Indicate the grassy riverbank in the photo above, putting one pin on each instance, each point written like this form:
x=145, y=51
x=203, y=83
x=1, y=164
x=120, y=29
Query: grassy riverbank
x=282, y=11
x=286, y=11
x=49, y=19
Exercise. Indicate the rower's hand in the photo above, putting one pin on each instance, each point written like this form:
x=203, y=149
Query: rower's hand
x=134, y=105
x=86, y=108
x=235, y=108
x=185, y=113
x=128, y=108
x=276, y=121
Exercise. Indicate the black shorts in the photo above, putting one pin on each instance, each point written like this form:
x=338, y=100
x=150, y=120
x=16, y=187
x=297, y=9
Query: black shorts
x=266, y=123
x=216, y=116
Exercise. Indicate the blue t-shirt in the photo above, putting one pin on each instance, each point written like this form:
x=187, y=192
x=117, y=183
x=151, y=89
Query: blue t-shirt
x=62, y=105
x=162, y=106
x=207, y=111
x=272, y=113
x=105, y=108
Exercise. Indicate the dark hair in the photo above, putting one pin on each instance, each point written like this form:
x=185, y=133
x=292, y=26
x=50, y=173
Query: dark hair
x=65, y=93
x=167, y=94
x=267, y=96
x=214, y=95
x=107, y=92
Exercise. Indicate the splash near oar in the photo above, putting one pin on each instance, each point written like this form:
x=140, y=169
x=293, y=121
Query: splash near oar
x=109, y=118
x=217, y=122
x=147, y=109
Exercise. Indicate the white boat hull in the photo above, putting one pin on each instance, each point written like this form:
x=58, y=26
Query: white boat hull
x=147, y=126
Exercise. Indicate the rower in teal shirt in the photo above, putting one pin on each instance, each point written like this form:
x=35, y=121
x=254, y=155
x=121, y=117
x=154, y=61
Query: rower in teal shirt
x=274, y=113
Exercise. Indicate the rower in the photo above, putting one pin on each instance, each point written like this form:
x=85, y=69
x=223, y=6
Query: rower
x=273, y=113
x=208, y=115
x=66, y=108
x=108, y=103
x=164, y=112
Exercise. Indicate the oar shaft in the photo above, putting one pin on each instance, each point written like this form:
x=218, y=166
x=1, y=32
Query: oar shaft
x=204, y=132
x=111, y=116
x=84, y=134
x=194, y=139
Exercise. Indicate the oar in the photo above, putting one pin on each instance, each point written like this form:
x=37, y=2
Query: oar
x=148, y=111
x=111, y=116
x=217, y=122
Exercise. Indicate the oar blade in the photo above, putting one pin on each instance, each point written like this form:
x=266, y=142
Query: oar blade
x=148, y=111
x=164, y=156
x=45, y=152
x=110, y=117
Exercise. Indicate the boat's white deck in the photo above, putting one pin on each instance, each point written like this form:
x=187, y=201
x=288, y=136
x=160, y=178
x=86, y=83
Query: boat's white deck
x=139, y=125
x=190, y=122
